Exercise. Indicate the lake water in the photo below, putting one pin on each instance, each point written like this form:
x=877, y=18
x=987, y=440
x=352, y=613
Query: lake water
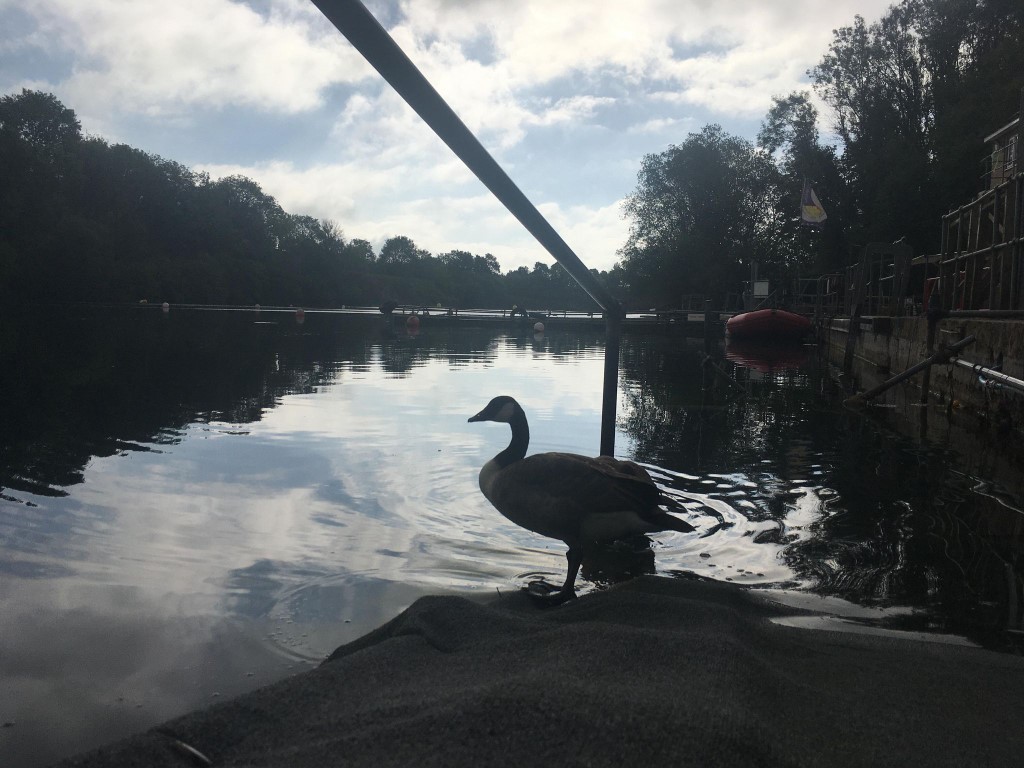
x=199, y=503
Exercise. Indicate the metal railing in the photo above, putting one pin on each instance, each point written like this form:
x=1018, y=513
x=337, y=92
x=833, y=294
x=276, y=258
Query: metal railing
x=980, y=264
x=1001, y=164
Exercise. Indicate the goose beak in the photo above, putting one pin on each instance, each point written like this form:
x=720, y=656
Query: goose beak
x=478, y=417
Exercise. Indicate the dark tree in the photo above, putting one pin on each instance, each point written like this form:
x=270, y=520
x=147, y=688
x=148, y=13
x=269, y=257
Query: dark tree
x=912, y=96
x=401, y=250
x=790, y=135
x=701, y=212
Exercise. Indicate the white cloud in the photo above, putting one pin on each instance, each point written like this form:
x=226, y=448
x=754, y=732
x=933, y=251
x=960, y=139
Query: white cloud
x=159, y=58
x=365, y=205
x=595, y=234
x=664, y=125
x=740, y=52
x=532, y=79
x=487, y=57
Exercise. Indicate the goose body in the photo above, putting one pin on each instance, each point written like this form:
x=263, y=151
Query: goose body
x=579, y=499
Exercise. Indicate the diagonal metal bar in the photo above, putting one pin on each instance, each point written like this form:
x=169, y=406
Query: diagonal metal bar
x=368, y=37
x=366, y=34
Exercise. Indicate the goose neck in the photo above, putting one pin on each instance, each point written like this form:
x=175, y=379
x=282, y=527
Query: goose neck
x=520, y=440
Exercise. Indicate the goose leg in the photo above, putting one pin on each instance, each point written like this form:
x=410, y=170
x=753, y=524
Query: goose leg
x=543, y=593
x=575, y=559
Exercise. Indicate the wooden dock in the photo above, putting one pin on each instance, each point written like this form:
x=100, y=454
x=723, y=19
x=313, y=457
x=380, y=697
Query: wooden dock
x=676, y=321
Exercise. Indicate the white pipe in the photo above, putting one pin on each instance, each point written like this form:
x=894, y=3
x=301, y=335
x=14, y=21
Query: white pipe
x=1007, y=381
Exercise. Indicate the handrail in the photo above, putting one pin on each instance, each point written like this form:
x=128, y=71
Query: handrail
x=980, y=200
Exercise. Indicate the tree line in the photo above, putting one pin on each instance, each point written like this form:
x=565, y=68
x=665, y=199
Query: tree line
x=84, y=220
x=910, y=98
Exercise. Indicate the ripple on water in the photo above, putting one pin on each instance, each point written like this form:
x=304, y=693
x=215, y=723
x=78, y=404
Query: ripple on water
x=735, y=541
x=310, y=620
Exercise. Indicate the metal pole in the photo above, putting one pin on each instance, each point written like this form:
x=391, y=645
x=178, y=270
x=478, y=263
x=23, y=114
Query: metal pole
x=994, y=314
x=998, y=376
x=368, y=37
x=942, y=356
x=610, y=390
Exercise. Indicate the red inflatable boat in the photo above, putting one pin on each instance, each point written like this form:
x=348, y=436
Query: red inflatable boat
x=768, y=324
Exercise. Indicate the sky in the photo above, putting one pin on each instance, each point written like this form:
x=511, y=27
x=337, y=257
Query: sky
x=567, y=96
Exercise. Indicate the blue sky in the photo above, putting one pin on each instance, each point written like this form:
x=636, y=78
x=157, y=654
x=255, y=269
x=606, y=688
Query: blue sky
x=568, y=96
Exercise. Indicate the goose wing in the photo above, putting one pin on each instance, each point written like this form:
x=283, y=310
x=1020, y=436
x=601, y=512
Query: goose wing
x=652, y=496
x=561, y=494
x=608, y=482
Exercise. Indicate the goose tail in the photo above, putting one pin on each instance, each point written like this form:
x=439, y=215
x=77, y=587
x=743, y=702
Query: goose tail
x=673, y=523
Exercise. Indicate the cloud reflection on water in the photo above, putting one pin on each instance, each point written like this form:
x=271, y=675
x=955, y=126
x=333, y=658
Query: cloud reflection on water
x=299, y=487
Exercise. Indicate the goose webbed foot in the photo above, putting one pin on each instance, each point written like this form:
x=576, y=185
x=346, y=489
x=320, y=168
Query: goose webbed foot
x=547, y=595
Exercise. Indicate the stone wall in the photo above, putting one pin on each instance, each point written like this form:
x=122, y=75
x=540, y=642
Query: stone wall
x=973, y=417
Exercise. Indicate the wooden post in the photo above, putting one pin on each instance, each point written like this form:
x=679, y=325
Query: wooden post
x=1016, y=251
x=1015, y=234
x=934, y=315
x=992, y=251
x=956, y=264
x=855, y=307
x=902, y=255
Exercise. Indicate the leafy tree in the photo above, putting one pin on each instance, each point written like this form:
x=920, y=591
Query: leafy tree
x=456, y=259
x=41, y=123
x=700, y=213
x=254, y=217
x=361, y=251
x=401, y=250
x=38, y=140
x=972, y=53
x=486, y=265
x=790, y=134
x=489, y=263
x=912, y=96
x=873, y=79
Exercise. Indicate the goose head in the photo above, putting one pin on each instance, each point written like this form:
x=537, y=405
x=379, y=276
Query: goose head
x=501, y=409
x=505, y=410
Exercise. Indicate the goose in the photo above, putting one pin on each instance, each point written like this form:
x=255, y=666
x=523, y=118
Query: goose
x=581, y=500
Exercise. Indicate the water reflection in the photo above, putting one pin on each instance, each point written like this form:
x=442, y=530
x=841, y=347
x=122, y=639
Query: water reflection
x=833, y=503
x=766, y=357
x=199, y=503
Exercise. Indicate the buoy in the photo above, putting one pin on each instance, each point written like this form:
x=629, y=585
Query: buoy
x=538, y=327
x=143, y=301
x=413, y=322
x=165, y=307
x=300, y=315
x=258, y=307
